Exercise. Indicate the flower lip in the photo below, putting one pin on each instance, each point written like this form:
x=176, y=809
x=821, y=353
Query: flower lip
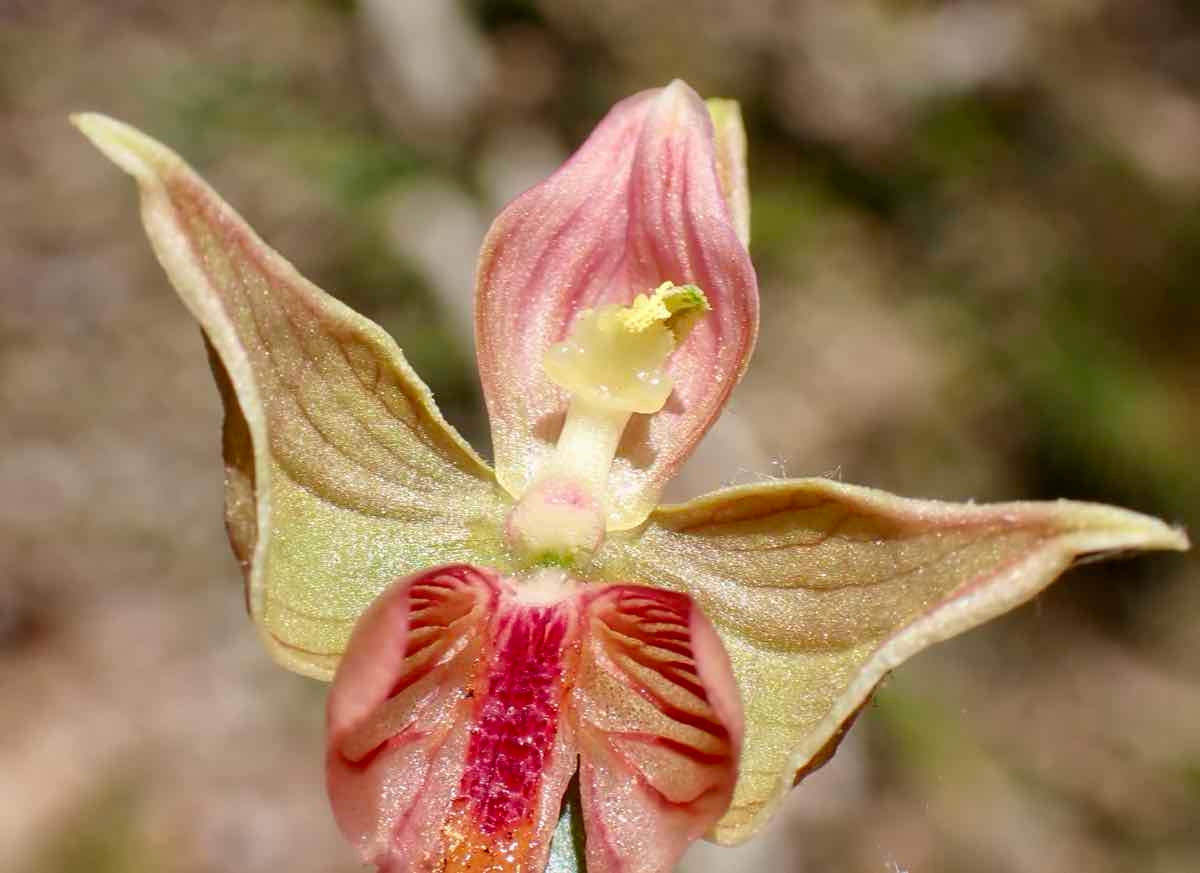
x=462, y=709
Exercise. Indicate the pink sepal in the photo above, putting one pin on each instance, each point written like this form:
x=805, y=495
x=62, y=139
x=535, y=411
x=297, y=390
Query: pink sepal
x=639, y=204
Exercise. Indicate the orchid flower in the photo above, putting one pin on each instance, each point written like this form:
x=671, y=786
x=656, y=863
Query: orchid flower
x=491, y=632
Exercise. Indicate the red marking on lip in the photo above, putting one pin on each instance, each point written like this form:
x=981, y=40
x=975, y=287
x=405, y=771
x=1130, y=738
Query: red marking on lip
x=517, y=718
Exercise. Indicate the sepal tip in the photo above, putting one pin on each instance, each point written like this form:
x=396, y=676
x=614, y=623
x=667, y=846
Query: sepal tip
x=127, y=147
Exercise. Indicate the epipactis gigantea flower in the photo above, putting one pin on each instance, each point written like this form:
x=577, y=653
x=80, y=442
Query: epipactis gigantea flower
x=490, y=632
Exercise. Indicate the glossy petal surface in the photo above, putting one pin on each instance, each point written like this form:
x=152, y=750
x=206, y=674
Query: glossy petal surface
x=340, y=472
x=457, y=714
x=818, y=589
x=640, y=203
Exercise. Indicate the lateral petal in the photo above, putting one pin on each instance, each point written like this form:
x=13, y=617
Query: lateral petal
x=446, y=748
x=341, y=473
x=659, y=725
x=819, y=589
x=640, y=203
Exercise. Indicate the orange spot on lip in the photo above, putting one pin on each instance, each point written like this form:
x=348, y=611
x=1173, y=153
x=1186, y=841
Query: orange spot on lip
x=468, y=850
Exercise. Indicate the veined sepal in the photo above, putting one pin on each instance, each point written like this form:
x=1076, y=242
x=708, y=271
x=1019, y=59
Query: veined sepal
x=818, y=589
x=341, y=473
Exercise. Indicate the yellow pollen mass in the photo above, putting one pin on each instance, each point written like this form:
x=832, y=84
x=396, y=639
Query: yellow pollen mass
x=615, y=354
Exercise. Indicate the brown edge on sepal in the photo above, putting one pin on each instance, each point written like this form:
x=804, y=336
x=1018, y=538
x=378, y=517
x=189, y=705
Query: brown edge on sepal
x=237, y=451
x=825, y=754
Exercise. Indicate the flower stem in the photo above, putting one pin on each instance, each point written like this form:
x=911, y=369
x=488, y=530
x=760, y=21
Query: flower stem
x=566, y=846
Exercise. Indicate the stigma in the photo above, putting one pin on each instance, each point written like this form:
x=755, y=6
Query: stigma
x=614, y=358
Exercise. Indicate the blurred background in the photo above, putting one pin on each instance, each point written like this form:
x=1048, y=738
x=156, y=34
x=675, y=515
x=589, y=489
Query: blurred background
x=977, y=226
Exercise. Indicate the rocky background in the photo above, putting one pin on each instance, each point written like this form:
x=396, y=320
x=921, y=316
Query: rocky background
x=977, y=226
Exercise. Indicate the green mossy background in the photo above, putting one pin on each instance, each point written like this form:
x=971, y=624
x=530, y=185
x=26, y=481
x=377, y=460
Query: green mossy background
x=977, y=227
